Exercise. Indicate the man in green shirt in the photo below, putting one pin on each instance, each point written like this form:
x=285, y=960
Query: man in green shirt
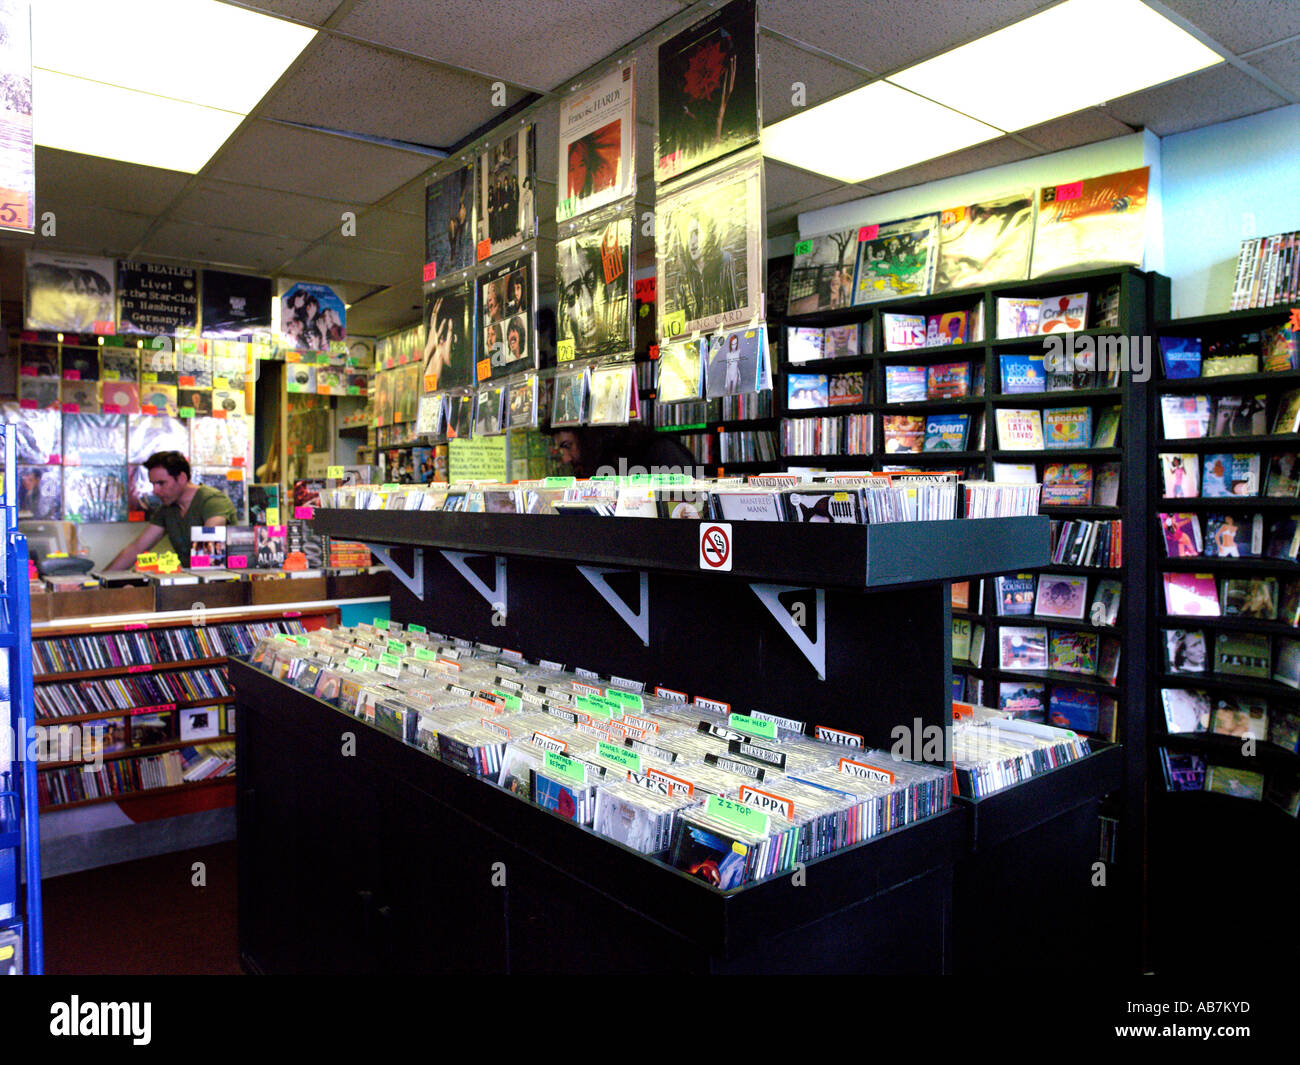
x=184, y=505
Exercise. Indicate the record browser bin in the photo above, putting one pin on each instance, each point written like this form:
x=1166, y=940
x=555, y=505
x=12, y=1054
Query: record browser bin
x=388, y=860
x=21, y=940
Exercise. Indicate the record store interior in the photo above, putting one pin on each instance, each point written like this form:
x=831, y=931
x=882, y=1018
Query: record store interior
x=450, y=378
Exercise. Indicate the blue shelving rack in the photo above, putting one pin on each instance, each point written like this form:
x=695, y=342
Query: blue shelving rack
x=20, y=837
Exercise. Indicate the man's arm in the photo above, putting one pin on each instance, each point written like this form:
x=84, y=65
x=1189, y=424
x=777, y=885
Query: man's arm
x=126, y=558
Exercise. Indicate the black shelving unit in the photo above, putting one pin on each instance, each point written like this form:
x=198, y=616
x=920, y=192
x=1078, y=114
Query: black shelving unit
x=373, y=835
x=1205, y=845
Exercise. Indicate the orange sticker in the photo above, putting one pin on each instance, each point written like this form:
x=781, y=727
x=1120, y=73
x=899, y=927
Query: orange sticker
x=484, y=249
x=484, y=369
x=234, y=475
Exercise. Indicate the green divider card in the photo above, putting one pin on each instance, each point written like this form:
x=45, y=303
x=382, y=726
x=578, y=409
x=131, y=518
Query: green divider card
x=598, y=705
x=424, y=654
x=629, y=700
x=417, y=628
x=381, y=623
x=396, y=647
x=737, y=813
x=389, y=487
x=559, y=482
x=301, y=641
x=804, y=247
x=355, y=664
x=390, y=660
x=752, y=725
x=369, y=664
x=567, y=767
x=186, y=412
x=619, y=756
x=513, y=702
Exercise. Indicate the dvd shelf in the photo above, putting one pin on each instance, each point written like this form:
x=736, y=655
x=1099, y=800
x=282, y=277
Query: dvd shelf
x=1225, y=647
x=138, y=710
x=1066, y=410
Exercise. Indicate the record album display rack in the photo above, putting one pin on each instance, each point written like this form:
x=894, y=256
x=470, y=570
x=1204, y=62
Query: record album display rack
x=21, y=935
x=433, y=870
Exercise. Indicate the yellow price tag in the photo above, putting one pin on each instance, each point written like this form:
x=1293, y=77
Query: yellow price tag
x=57, y=554
x=334, y=473
x=565, y=351
x=234, y=475
x=674, y=325
x=170, y=565
x=272, y=515
x=146, y=558
x=221, y=382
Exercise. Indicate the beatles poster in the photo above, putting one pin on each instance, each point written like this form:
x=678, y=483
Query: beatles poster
x=235, y=305
x=156, y=299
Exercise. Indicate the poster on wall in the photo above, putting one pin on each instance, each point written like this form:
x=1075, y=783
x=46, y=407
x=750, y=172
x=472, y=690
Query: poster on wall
x=984, y=243
x=449, y=215
x=17, y=147
x=69, y=293
x=597, y=142
x=1094, y=222
x=156, y=299
x=896, y=259
x=449, y=339
x=507, y=193
x=235, y=305
x=593, y=280
x=822, y=276
x=708, y=90
x=311, y=316
x=505, y=303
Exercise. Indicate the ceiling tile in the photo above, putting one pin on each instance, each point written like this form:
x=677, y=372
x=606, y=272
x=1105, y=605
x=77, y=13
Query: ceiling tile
x=1240, y=25
x=352, y=264
x=93, y=229
x=313, y=11
x=408, y=200
x=1085, y=127
x=539, y=45
x=259, y=210
x=981, y=157
x=389, y=232
x=232, y=248
x=90, y=181
x=347, y=86
x=1214, y=95
x=788, y=184
x=785, y=67
x=387, y=310
x=275, y=156
x=1282, y=64
x=843, y=194
x=887, y=35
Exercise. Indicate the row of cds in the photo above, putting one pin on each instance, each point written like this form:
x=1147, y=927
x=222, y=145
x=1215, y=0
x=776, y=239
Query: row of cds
x=126, y=693
x=727, y=798
x=63, y=654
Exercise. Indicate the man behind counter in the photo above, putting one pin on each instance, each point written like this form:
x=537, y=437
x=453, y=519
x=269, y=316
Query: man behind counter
x=184, y=505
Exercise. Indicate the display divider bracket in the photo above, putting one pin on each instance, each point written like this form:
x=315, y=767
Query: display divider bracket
x=413, y=581
x=813, y=650
x=497, y=596
x=638, y=621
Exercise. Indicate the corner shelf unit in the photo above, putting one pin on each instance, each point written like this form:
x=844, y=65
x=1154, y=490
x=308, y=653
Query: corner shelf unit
x=97, y=653
x=1208, y=844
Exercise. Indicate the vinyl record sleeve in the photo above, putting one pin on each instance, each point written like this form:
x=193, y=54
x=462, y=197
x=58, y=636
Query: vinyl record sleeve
x=507, y=192
x=38, y=360
x=311, y=316
x=822, y=277
x=1089, y=223
x=896, y=259
x=148, y=434
x=984, y=243
x=521, y=399
x=157, y=299
x=569, y=404
x=734, y=362
x=680, y=371
x=94, y=494
x=79, y=397
x=708, y=90
x=235, y=305
x=94, y=439
x=40, y=492
x=119, y=397
x=597, y=143
x=708, y=251
x=38, y=434
x=232, y=490
x=70, y=294
x=450, y=214
x=506, y=300
x=449, y=337
x=611, y=395
x=39, y=393
x=594, y=287
x=487, y=411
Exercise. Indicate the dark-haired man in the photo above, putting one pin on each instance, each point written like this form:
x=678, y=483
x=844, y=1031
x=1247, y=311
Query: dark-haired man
x=184, y=505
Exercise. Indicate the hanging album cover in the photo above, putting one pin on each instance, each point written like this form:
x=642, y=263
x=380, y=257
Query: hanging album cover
x=159, y=399
x=896, y=259
x=735, y=362
x=94, y=494
x=119, y=397
x=822, y=276
x=487, y=411
x=149, y=434
x=430, y=415
x=156, y=299
x=119, y=364
x=38, y=360
x=311, y=317
x=70, y=293
x=232, y=489
x=521, y=398
x=1095, y=222
x=593, y=279
x=507, y=193
x=597, y=144
x=570, y=398
x=449, y=338
x=984, y=243
x=709, y=257
x=94, y=439
x=39, y=393
x=79, y=397
x=79, y=364
x=449, y=223
x=708, y=90
x=18, y=175
x=40, y=492
x=235, y=305
x=38, y=434
x=680, y=368
x=611, y=395
x=505, y=304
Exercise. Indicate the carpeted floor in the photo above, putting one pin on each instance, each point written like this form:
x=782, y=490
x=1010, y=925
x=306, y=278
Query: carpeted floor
x=145, y=917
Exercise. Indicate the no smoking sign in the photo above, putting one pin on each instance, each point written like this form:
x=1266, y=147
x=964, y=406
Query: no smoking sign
x=715, y=546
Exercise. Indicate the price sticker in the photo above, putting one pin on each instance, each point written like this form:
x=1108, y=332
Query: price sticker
x=674, y=325
x=565, y=350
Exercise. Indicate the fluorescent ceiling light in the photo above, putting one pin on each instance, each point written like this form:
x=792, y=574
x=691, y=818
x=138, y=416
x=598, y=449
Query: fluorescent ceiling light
x=1069, y=57
x=159, y=82
x=874, y=130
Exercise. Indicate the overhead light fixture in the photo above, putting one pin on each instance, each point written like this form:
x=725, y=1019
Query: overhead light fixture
x=158, y=82
x=876, y=129
x=1072, y=56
